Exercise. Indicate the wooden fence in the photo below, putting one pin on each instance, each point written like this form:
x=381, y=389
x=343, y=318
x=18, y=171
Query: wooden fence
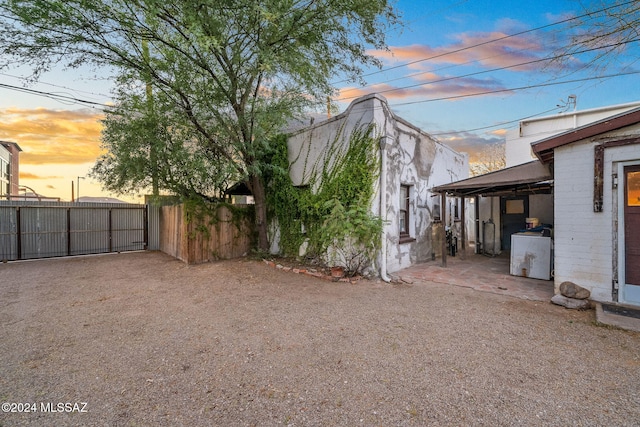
x=196, y=239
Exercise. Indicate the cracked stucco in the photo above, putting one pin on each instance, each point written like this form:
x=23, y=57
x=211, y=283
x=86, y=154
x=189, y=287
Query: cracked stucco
x=413, y=158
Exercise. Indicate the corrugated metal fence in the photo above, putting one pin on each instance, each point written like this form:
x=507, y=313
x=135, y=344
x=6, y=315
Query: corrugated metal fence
x=31, y=230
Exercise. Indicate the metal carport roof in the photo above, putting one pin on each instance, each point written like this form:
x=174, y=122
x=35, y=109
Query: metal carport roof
x=528, y=178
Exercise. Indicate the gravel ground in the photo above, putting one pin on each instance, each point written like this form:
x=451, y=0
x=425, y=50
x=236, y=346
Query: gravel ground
x=144, y=339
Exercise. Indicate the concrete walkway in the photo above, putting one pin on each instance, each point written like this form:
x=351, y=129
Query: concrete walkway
x=481, y=273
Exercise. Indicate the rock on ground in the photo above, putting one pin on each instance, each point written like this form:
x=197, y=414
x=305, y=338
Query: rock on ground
x=146, y=340
x=571, y=290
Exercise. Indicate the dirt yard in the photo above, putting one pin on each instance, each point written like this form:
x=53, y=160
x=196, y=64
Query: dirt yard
x=141, y=339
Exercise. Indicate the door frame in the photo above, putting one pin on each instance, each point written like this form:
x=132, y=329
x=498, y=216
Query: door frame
x=505, y=241
x=620, y=266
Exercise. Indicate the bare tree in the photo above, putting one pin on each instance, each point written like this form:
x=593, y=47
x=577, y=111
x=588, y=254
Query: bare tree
x=491, y=158
x=602, y=36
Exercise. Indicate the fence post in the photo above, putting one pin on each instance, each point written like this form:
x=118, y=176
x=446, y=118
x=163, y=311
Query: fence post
x=146, y=226
x=18, y=233
x=68, y=231
x=110, y=233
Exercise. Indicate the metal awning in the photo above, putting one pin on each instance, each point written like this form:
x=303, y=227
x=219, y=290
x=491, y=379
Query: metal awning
x=528, y=178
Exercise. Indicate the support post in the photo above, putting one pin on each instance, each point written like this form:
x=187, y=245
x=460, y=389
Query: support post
x=145, y=221
x=463, y=232
x=477, y=224
x=443, y=232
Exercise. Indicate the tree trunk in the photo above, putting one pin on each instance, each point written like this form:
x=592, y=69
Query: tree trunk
x=259, y=197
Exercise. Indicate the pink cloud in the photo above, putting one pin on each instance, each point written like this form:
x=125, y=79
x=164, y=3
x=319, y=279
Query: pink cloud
x=468, y=48
x=429, y=88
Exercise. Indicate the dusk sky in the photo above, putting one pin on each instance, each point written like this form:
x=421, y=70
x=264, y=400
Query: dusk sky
x=447, y=52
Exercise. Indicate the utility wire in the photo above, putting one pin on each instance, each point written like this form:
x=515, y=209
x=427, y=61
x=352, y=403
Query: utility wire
x=489, y=92
x=433, y=70
x=54, y=96
x=101, y=105
x=493, y=69
x=563, y=21
x=496, y=125
x=55, y=85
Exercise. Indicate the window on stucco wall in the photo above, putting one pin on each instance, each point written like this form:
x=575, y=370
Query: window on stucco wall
x=404, y=220
x=435, y=211
x=456, y=209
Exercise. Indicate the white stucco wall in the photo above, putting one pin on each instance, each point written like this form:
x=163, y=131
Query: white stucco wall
x=308, y=148
x=413, y=158
x=582, y=237
x=584, y=242
x=420, y=161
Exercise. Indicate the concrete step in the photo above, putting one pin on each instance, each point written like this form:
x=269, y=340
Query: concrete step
x=619, y=315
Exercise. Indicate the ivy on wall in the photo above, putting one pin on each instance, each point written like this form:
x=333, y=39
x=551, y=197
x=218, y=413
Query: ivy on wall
x=331, y=215
x=205, y=215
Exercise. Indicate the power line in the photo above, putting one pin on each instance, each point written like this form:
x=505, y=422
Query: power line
x=551, y=58
x=563, y=21
x=54, y=96
x=493, y=69
x=490, y=92
x=496, y=125
x=73, y=99
x=55, y=85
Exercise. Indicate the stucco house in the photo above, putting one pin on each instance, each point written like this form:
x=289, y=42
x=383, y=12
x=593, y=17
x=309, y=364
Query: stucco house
x=518, y=141
x=411, y=163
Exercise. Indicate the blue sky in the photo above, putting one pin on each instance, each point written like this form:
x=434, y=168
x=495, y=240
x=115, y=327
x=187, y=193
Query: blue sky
x=446, y=51
x=447, y=32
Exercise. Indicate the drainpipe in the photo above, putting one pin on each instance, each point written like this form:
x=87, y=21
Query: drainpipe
x=383, y=209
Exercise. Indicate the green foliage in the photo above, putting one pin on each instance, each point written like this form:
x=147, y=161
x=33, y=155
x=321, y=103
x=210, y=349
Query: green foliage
x=232, y=73
x=205, y=215
x=145, y=147
x=352, y=235
x=335, y=218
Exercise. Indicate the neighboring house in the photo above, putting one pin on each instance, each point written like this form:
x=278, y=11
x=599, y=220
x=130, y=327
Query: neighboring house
x=412, y=162
x=518, y=141
x=9, y=169
x=596, y=171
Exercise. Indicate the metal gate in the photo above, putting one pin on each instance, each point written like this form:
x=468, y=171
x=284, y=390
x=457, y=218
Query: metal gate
x=30, y=230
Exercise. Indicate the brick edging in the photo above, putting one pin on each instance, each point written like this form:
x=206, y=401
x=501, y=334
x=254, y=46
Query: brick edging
x=313, y=273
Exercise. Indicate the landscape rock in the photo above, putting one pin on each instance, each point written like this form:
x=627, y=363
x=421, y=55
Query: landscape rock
x=571, y=290
x=572, y=303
